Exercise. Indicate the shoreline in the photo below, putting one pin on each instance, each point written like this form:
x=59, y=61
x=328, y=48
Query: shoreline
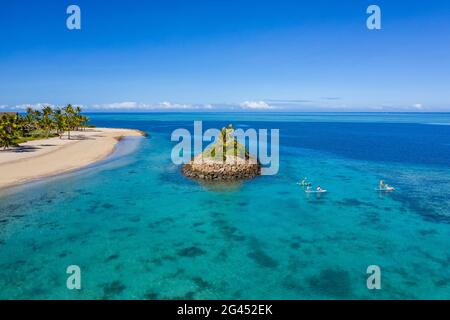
x=45, y=158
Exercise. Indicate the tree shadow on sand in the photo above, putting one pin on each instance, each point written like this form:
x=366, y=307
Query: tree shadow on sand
x=21, y=149
x=81, y=137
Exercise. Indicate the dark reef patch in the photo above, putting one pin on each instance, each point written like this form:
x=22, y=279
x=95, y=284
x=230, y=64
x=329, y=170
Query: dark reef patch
x=332, y=283
x=370, y=219
x=295, y=245
x=36, y=292
x=442, y=283
x=197, y=224
x=295, y=264
x=350, y=202
x=191, y=252
x=211, y=202
x=201, y=283
x=424, y=207
x=134, y=219
x=169, y=177
x=221, y=256
x=151, y=296
x=263, y=259
x=239, y=238
x=258, y=255
x=112, y=289
x=159, y=261
x=188, y=296
x=216, y=214
x=63, y=254
x=121, y=230
x=107, y=206
x=227, y=231
x=157, y=223
x=112, y=257
x=293, y=284
x=427, y=232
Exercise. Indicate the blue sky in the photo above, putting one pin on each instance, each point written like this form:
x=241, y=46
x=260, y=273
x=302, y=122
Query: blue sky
x=226, y=55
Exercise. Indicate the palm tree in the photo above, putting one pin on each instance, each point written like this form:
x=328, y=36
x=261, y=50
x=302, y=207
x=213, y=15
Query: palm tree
x=30, y=120
x=60, y=122
x=69, y=115
x=34, y=122
x=8, y=130
x=224, y=144
x=6, y=140
x=23, y=126
x=46, y=120
x=77, y=118
x=84, y=121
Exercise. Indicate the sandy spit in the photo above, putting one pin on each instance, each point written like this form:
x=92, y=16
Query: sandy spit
x=43, y=158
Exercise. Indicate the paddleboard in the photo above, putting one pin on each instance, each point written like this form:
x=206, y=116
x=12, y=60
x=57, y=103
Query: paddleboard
x=384, y=189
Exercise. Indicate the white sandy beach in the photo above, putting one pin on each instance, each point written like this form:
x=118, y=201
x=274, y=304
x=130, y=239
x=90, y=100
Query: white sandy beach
x=42, y=158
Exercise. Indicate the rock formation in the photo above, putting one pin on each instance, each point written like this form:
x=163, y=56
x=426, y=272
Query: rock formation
x=226, y=160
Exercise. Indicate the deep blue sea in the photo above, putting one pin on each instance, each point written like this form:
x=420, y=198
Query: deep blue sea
x=138, y=229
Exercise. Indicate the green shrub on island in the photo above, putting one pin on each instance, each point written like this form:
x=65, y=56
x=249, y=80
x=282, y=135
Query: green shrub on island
x=226, y=146
x=34, y=124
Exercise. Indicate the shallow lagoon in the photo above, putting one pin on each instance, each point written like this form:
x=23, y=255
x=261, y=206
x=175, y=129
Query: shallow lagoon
x=140, y=230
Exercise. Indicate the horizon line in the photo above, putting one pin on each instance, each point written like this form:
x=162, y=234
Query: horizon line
x=246, y=111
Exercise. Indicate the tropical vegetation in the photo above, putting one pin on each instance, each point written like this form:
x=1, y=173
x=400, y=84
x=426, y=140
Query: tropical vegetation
x=227, y=145
x=40, y=124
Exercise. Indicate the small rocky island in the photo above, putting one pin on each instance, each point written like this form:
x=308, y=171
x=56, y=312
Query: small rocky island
x=226, y=160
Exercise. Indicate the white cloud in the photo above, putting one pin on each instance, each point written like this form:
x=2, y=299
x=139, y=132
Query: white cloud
x=165, y=105
x=37, y=106
x=251, y=105
x=256, y=105
x=117, y=105
x=399, y=108
x=169, y=105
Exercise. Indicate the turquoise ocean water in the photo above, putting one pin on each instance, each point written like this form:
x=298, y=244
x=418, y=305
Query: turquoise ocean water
x=140, y=230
